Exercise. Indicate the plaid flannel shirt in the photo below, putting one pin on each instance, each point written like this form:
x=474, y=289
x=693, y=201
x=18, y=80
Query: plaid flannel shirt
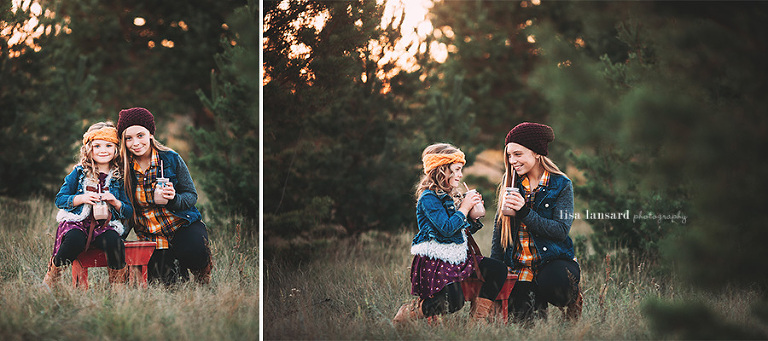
x=525, y=252
x=154, y=222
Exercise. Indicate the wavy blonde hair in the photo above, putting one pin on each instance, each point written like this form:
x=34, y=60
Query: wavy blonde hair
x=506, y=222
x=86, y=153
x=437, y=178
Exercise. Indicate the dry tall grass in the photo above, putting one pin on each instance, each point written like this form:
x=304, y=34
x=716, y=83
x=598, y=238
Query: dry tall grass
x=353, y=290
x=226, y=310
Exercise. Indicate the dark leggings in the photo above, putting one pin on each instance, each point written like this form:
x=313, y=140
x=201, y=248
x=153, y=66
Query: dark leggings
x=188, y=251
x=556, y=283
x=451, y=298
x=74, y=241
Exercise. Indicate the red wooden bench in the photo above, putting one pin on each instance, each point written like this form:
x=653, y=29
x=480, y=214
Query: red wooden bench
x=471, y=288
x=137, y=256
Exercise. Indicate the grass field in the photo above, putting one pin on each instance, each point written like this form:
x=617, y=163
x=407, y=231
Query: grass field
x=354, y=288
x=226, y=310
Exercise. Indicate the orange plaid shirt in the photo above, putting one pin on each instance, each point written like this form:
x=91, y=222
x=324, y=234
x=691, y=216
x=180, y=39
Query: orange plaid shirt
x=154, y=222
x=525, y=253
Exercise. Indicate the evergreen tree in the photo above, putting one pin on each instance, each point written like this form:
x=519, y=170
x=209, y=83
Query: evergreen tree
x=673, y=123
x=42, y=98
x=229, y=150
x=342, y=146
x=489, y=49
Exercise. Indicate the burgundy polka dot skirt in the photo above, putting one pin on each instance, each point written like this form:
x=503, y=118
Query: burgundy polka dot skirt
x=429, y=275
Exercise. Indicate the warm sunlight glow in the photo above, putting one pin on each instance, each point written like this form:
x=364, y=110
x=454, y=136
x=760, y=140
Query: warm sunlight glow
x=25, y=33
x=410, y=17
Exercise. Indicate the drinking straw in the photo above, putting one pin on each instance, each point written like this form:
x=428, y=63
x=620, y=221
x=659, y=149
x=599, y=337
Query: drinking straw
x=465, y=186
x=161, y=169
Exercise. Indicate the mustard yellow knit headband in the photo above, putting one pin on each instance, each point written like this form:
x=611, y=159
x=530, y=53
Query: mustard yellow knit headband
x=432, y=161
x=108, y=134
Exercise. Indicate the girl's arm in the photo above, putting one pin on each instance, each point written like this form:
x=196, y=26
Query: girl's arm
x=555, y=229
x=123, y=205
x=496, y=250
x=65, y=199
x=435, y=211
x=474, y=225
x=186, y=194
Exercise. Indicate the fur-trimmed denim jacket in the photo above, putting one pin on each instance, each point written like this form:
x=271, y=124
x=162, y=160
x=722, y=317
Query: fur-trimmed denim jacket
x=441, y=228
x=74, y=184
x=549, y=221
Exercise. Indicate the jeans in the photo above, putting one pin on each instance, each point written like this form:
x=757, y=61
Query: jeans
x=556, y=283
x=74, y=241
x=188, y=251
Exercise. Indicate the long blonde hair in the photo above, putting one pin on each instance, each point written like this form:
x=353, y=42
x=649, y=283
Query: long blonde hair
x=86, y=153
x=437, y=179
x=506, y=222
x=127, y=167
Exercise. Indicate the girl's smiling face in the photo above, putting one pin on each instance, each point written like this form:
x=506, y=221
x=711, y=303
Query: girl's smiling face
x=521, y=158
x=455, y=178
x=102, y=152
x=137, y=140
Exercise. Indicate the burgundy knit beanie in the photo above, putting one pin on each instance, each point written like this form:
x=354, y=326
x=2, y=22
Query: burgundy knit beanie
x=534, y=136
x=135, y=117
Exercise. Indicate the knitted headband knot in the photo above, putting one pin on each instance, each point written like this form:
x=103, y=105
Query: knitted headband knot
x=108, y=134
x=534, y=136
x=432, y=161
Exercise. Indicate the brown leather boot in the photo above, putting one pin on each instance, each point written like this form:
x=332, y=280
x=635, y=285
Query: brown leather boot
x=480, y=308
x=410, y=311
x=53, y=274
x=203, y=276
x=118, y=277
x=573, y=310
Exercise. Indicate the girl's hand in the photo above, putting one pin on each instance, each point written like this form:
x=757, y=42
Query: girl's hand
x=109, y=198
x=514, y=201
x=470, y=200
x=86, y=198
x=168, y=191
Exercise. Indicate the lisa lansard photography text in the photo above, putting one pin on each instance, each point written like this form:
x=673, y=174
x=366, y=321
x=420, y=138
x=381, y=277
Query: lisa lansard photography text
x=678, y=217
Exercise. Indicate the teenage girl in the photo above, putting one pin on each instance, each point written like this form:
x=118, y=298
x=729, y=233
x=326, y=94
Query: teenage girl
x=94, y=181
x=169, y=217
x=442, y=257
x=532, y=237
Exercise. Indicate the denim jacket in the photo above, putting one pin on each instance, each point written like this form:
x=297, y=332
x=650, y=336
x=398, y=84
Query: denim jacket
x=74, y=184
x=549, y=221
x=183, y=204
x=441, y=228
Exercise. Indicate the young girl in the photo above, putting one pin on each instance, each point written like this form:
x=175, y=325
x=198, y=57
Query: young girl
x=163, y=196
x=94, y=182
x=442, y=257
x=532, y=224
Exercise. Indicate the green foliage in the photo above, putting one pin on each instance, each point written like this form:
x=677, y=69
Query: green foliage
x=336, y=133
x=494, y=57
x=629, y=125
x=42, y=97
x=228, y=151
x=137, y=65
x=676, y=119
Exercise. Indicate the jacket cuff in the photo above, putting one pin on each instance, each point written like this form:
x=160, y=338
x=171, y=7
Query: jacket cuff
x=523, y=212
